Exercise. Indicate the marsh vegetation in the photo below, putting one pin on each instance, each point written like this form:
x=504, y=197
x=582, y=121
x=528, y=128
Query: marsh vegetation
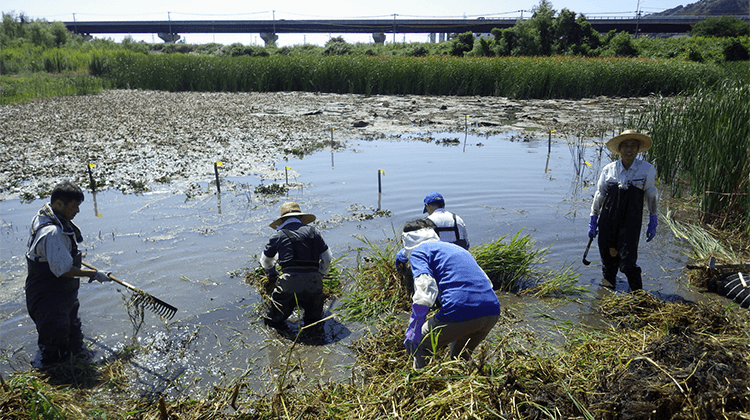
x=651, y=359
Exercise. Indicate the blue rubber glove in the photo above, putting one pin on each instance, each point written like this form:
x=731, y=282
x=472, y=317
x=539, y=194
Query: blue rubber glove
x=414, y=329
x=401, y=259
x=651, y=231
x=272, y=272
x=592, y=226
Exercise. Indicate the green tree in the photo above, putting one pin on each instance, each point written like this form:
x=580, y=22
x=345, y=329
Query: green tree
x=618, y=44
x=482, y=48
x=542, y=21
x=735, y=51
x=573, y=36
x=462, y=43
x=725, y=26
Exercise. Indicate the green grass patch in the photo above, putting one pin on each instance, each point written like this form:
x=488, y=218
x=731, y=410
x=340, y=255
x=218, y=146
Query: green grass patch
x=15, y=89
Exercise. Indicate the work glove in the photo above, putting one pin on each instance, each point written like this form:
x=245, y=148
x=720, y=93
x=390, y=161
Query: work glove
x=272, y=273
x=401, y=260
x=592, y=226
x=651, y=231
x=414, y=329
x=100, y=276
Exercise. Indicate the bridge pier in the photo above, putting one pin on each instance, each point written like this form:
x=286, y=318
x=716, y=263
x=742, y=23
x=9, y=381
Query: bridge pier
x=269, y=38
x=167, y=37
x=378, y=37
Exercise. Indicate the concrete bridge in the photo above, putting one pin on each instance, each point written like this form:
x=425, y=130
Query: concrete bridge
x=169, y=30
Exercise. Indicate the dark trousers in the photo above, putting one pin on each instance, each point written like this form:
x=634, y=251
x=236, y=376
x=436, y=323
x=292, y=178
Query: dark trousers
x=53, y=305
x=619, y=232
x=297, y=289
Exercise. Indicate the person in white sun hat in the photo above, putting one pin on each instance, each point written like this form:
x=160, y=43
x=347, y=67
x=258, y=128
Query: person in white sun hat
x=617, y=209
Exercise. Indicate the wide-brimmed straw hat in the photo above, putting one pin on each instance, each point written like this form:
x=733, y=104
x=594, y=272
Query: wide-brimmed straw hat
x=645, y=141
x=291, y=209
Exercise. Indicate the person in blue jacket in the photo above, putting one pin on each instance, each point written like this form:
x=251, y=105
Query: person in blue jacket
x=450, y=275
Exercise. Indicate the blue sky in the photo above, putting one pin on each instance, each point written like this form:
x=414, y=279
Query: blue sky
x=89, y=10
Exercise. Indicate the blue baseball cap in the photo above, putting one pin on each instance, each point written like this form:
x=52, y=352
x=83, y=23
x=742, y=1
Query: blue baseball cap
x=433, y=198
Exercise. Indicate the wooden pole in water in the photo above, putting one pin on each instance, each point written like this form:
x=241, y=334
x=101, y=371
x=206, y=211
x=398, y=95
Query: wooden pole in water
x=466, y=133
x=216, y=172
x=380, y=189
x=92, y=184
x=286, y=174
x=549, y=142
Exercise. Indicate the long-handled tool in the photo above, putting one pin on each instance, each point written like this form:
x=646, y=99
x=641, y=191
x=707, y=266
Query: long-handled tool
x=586, y=252
x=160, y=307
x=712, y=266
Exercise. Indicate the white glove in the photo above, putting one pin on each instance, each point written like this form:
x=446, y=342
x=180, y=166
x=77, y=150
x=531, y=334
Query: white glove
x=100, y=276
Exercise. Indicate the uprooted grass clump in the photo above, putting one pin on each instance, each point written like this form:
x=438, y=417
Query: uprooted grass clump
x=333, y=282
x=379, y=289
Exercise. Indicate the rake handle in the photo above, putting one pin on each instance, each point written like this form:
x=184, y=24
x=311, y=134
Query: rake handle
x=115, y=279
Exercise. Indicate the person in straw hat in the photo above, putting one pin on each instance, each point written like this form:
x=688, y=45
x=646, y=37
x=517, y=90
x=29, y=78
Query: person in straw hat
x=304, y=258
x=617, y=208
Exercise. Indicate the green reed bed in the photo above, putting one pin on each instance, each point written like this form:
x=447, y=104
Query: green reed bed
x=702, y=144
x=15, y=89
x=517, y=77
x=32, y=59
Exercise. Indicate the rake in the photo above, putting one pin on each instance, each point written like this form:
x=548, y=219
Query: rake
x=144, y=299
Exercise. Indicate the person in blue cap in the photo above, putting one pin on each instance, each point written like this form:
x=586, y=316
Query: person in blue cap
x=450, y=227
x=624, y=186
x=449, y=275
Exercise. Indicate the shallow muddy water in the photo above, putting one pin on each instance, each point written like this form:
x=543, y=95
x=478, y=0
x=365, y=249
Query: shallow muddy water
x=188, y=246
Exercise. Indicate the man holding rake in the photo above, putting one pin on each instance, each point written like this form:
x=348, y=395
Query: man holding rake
x=54, y=265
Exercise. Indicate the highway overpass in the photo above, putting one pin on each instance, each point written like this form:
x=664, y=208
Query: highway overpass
x=648, y=24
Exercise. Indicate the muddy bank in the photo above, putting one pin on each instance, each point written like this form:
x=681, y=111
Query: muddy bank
x=136, y=138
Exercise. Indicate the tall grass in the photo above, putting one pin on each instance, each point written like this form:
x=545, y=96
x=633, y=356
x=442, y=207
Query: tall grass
x=524, y=77
x=702, y=144
x=41, y=85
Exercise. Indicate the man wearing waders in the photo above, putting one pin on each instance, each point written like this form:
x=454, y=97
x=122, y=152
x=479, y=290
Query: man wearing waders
x=617, y=210
x=54, y=265
x=304, y=258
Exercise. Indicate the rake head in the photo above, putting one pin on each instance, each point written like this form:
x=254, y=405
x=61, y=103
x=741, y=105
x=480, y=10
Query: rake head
x=155, y=305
